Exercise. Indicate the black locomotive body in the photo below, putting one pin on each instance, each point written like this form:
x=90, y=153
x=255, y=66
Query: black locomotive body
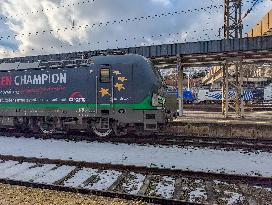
x=118, y=93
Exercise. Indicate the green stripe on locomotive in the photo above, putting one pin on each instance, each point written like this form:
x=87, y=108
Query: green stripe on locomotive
x=144, y=105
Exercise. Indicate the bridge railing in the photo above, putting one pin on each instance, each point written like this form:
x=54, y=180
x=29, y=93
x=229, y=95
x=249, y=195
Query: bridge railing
x=167, y=50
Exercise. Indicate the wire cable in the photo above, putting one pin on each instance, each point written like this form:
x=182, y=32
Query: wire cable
x=100, y=24
x=251, y=8
x=48, y=9
x=141, y=38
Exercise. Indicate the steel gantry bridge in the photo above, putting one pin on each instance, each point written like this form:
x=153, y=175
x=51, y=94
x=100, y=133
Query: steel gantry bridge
x=193, y=53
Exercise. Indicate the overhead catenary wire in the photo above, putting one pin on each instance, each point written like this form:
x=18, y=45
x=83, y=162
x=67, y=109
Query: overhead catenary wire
x=47, y=9
x=100, y=43
x=70, y=5
x=97, y=43
x=251, y=8
x=107, y=23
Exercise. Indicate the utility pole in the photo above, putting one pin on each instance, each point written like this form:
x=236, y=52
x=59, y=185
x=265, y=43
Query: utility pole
x=180, y=86
x=233, y=29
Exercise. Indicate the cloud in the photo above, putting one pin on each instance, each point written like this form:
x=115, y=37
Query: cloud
x=163, y=2
x=31, y=16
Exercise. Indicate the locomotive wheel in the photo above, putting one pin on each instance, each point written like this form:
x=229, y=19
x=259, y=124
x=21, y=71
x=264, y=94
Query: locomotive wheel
x=45, y=129
x=46, y=126
x=101, y=132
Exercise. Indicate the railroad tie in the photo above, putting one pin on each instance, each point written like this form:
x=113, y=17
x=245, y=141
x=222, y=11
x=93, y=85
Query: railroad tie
x=119, y=180
x=210, y=192
x=68, y=176
x=178, y=189
x=145, y=185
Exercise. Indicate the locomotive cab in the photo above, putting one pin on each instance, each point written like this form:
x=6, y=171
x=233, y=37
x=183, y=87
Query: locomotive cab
x=133, y=93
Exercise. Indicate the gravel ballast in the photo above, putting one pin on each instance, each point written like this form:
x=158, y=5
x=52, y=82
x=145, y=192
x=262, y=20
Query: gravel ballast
x=18, y=195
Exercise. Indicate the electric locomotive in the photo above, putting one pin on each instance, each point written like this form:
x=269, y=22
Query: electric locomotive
x=116, y=94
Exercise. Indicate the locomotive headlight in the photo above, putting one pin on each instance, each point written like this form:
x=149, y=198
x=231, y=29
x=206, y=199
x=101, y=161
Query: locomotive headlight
x=157, y=100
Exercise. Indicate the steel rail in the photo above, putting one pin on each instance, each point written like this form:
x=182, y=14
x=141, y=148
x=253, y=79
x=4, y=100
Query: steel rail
x=164, y=139
x=252, y=180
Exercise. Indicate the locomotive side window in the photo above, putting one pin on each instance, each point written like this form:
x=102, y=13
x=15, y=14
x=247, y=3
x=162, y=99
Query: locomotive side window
x=104, y=75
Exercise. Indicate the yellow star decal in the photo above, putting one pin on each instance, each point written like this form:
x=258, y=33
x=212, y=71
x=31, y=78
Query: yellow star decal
x=119, y=86
x=117, y=72
x=104, y=91
x=122, y=79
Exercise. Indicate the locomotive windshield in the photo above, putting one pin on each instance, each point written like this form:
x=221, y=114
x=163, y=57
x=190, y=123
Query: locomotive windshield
x=156, y=72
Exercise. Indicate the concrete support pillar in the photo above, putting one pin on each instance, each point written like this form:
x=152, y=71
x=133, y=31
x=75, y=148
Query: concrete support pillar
x=180, y=86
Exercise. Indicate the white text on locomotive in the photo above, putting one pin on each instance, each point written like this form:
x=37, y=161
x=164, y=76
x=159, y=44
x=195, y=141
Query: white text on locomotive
x=42, y=79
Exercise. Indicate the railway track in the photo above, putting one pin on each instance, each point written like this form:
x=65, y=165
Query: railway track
x=218, y=108
x=161, y=186
x=168, y=140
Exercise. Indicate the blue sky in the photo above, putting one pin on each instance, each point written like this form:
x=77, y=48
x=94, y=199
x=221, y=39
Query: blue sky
x=23, y=18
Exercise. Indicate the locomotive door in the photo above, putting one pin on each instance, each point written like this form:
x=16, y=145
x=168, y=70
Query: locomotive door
x=104, y=83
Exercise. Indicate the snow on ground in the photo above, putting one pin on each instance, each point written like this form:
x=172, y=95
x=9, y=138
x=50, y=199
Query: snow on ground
x=54, y=175
x=235, y=198
x=198, y=193
x=18, y=168
x=80, y=177
x=134, y=184
x=33, y=173
x=165, y=187
x=188, y=158
x=7, y=164
x=104, y=180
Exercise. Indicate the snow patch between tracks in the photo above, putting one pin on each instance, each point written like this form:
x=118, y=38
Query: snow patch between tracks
x=174, y=157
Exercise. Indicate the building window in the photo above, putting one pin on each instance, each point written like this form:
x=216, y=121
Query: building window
x=104, y=75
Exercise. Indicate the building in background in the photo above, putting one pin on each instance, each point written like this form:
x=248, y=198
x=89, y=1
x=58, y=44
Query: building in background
x=263, y=27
